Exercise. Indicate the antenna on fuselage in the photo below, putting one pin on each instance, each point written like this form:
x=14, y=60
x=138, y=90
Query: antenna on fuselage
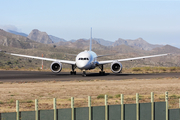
x=90, y=41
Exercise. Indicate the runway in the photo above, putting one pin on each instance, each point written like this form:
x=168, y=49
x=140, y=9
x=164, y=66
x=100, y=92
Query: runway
x=15, y=76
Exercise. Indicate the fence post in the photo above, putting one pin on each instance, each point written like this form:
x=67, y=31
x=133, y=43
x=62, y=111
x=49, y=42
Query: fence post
x=36, y=109
x=122, y=107
x=166, y=99
x=106, y=107
x=137, y=106
x=89, y=105
x=72, y=107
x=152, y=105
x=54, y=107
x=17, y=109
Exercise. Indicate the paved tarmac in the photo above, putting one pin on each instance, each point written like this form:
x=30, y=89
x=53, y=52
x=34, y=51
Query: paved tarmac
x=15, y=76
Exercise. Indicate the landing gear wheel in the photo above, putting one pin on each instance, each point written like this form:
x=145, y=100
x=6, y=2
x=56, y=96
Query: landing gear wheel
x=73, y=72
x=102, y=72
x=84, y=74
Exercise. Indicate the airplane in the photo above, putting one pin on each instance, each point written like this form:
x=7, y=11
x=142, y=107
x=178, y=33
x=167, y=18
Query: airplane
x=87, y=60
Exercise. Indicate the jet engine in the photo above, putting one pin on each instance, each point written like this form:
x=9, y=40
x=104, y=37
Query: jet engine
x=116, y=67
x=56, y=67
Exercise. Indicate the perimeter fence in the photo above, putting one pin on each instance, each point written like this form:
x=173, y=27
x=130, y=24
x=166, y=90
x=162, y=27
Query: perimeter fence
x=138, y=111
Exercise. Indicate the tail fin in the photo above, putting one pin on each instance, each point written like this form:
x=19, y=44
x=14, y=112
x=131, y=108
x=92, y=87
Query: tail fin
x=90, y=41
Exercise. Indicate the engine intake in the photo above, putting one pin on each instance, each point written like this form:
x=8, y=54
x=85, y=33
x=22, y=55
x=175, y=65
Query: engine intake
x=56, y=67
x=116, y=67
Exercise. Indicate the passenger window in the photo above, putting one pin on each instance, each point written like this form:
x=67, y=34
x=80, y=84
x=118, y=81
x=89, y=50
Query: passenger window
x=83, y=59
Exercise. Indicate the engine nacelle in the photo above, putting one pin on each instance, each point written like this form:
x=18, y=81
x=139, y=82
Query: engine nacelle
x=116, y=67
x=56, y=67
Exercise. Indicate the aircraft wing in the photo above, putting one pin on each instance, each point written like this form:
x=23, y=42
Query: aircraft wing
x=42, y=58
x=130, y=59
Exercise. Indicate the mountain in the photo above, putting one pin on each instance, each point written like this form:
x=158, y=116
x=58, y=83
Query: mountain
x=72, y=40
x=81, y=44
x=39, y=36
x=103, y=42
x=12, y=40
x=138, y=43
x=124, y=49
x=42, y=37
x=17, y=33
x=99, y=40
x=166, y=49
x=56, y=39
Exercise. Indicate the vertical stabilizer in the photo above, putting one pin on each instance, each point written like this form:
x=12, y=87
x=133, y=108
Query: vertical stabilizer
x=90, y=41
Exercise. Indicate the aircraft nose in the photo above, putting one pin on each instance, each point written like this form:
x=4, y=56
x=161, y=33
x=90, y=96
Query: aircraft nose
x=81, y=65
x=82, y=60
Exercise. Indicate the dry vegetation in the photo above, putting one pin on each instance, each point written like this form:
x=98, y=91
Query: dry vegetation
x=45, y=91
x=137, y=70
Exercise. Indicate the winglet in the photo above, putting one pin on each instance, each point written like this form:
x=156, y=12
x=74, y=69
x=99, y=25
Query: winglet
x=90, y=41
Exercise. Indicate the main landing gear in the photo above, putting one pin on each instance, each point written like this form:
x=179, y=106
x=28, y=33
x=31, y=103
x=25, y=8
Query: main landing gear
x=73, y=68
x=101, y=72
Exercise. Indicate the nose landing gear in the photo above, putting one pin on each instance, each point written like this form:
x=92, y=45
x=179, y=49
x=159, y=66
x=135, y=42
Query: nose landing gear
x=84, y=73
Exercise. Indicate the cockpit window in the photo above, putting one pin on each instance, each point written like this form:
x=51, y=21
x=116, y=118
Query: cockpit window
x=83, y=59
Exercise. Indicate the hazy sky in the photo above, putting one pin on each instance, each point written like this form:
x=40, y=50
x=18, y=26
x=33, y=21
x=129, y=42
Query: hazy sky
x=156, y=21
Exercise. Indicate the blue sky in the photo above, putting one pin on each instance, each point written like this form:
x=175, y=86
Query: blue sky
x=156, y=21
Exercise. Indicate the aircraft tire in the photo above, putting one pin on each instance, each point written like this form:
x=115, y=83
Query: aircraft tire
x=73, y=73
x=84, y=74
x=102, y=72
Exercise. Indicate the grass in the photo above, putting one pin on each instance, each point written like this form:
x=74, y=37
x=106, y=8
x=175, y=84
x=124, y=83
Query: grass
x=29, y=101
x=117, y=96
x=148, y=68
x=101, y=96
x=110, y=97
x=136, y=69
x=174, y=96
x=11, y=101
x=26, y=101
x=153, y=69
x=173, y=68
x=141, y=97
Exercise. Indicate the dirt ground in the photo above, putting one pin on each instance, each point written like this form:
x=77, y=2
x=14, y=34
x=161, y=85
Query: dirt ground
x=26, y=93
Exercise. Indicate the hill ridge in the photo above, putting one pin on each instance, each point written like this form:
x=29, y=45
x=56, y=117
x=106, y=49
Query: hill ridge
x=39, y=36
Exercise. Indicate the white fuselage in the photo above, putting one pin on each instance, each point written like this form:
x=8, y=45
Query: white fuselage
x=86, y=60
